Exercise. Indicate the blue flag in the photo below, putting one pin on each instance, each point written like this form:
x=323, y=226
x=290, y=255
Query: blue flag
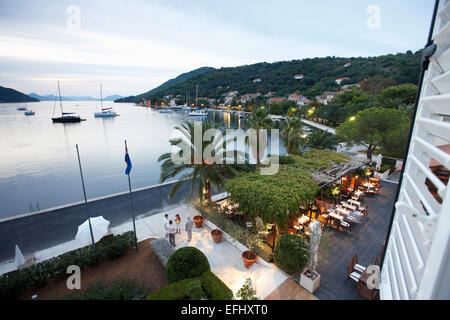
x=128, y=161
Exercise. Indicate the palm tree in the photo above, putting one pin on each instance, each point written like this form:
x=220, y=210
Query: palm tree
x=292, y=134
x=321, y=140
x=259, y=119
x=205, y=173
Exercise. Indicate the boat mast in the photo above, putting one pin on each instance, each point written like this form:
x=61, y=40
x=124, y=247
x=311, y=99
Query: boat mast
x=101, y=97
x=60, y=101
x=196, y=97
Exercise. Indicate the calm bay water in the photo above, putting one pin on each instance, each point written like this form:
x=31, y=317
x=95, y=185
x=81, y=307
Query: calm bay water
x=39, y=162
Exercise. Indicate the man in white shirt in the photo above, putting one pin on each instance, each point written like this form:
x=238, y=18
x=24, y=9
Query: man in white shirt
x=166, y=224
x=172, y=231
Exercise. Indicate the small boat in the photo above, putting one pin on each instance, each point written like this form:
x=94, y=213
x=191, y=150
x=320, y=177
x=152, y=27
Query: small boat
x=22, y=108
x=198, y=113
x=165, y=111
x=66, y=117
x=176, y=108
x=29, y=113
x=106, y=112
x=195, y=111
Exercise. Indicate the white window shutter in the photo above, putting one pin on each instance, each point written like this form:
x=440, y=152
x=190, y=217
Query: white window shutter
x=416, y=264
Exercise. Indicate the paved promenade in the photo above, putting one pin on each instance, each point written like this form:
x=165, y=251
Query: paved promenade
x=53, y=227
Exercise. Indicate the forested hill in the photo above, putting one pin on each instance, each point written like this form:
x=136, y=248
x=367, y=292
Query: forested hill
x=182, y=77
x=11, y=95
x=320, y=75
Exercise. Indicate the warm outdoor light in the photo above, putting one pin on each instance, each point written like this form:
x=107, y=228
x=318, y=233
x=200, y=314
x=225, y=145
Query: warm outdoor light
x=311, y=111
x=352, y=118
x=335, y=191
x=304, y=136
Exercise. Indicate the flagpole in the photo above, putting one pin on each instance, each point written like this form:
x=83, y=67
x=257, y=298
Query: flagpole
x=85, y=199
x=132, y=204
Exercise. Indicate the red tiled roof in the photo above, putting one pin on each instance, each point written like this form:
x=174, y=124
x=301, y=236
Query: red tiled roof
x=435, y=163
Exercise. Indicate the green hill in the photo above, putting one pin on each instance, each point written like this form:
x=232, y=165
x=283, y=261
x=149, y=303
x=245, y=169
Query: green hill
x=182, y=77
x=320, y=75
x=11, y=95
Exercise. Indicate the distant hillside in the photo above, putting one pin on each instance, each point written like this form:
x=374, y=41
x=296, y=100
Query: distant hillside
x=11, y=95
x=182, y=77
x=52, y=97
x=320, y=75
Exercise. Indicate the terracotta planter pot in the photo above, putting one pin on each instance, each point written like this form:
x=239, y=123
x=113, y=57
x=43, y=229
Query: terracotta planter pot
x=198, y=220
x=249, y=258
x=216, y=235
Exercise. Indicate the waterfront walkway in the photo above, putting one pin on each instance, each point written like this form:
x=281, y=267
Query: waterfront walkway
x=53, y=227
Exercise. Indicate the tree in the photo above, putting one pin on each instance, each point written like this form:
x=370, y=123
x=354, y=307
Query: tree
x=259, y=120
x=375, y=127
x=320, y=139
x=292, y=134
x=207, y=172
x=374, y=85
x=394, y=96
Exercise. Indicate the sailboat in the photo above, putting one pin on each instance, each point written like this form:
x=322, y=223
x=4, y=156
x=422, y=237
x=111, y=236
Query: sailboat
x=106, y=112
x=66, y=117
x=197, y=112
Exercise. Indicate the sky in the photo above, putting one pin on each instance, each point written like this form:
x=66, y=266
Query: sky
x=133, y=46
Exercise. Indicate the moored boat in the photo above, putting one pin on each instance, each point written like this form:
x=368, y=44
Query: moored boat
x=106, y=112
x=66, y=117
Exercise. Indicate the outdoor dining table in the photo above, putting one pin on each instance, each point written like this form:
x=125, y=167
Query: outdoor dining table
x=336, y=216
x=303, y=219
x=354, y=217
x=356, y=203
x=342, y=211
x=348, y=206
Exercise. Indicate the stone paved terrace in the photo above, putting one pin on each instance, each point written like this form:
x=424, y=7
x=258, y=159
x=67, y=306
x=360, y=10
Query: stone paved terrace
x=365, y=240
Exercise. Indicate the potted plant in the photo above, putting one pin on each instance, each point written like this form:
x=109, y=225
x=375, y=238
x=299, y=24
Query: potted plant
x=216, y=235
x=251, y=240
x=198, y=220
x=309, y=278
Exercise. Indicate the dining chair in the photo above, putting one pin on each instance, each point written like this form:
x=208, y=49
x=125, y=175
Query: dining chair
x=371, y=294
x=351, y=273
x=356, y=265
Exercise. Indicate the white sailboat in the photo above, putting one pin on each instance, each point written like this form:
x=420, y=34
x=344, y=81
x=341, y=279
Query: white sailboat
x=197, y=112
x=106, y=112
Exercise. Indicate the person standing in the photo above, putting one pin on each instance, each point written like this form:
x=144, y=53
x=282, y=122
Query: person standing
x=178, y=223
x=188, y=228
x=166, y=224
x=172, y=230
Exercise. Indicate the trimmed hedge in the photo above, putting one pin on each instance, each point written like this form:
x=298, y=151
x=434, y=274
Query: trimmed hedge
x=14, y=283
x=187, y=262
x=189, y=289
x=216, y=289
x=124, y=289
x=291, y=253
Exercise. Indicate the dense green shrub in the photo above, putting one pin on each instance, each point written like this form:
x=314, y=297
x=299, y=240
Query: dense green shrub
x=195, y=291
x=187, y=262
x=214, y=287
x=174, y=291
x=291, y=253
x=286, y=160
x=123, y=289
x=14, y=283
